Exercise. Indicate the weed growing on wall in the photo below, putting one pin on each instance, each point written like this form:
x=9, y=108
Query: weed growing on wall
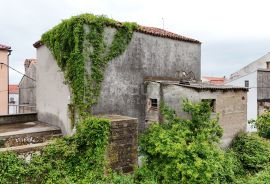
x=67, y=43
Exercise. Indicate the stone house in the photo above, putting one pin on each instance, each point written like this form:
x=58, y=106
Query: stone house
x=27, y=87
x=5, y=51
x=152, y=52
x=229, y=102
x=256, y=77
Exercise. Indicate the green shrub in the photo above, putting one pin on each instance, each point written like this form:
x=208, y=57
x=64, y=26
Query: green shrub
x=187, y=151
x=263, y=125
x=262, y=177
x=76, y=159
x=253, y=151
x=12, y=168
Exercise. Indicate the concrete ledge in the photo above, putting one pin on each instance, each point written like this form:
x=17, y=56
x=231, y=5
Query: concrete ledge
x=26, y=148
x=18, y=118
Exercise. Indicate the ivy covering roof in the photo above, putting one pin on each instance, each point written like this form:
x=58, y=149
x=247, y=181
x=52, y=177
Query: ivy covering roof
x=151, y=31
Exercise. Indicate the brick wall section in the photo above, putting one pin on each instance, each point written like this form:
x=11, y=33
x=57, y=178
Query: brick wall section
x=123, y=143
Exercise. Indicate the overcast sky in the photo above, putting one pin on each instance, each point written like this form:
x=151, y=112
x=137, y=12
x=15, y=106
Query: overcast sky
x=233, y=32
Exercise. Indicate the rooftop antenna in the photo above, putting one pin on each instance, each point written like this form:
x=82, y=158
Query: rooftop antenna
x=162, y=23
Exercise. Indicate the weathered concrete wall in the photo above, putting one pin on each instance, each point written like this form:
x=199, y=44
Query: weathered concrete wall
x=18, y=118
x=251, y=95
x=28, y=87
x=123, y=91
x=263, y=84
x=153, y=92
x=52, y=95
x=231, y=105
x=123, y=143
x=252, y=67
x=3, y=82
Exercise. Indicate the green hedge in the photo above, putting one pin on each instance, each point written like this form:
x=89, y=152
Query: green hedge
x=253, y=151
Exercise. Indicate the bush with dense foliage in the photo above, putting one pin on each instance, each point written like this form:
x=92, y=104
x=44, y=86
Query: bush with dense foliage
x=76, y=159
x=253, y=151
x=187, y=151
x=175, y=151
x=262, y=123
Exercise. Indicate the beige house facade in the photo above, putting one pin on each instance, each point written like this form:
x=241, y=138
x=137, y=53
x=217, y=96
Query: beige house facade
x=4, y=58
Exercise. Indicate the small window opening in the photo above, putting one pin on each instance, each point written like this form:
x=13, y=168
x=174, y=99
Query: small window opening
x=246, y=83
x=268, y=64
x=212, y=103
x=154, y=104
x=11, y=100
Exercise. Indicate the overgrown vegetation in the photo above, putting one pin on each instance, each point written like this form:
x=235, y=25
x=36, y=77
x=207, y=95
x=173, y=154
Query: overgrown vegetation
x=262, y=123
x=176, y=151
x=76, y=159
x=187, y=151
x=253, y=152
x=79, y=39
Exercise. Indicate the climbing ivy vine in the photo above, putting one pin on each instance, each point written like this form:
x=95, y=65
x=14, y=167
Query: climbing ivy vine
x=70, y=42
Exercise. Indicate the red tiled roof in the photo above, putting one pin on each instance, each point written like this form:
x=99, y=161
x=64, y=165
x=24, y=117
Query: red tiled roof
x=214, y=80
x=4, y=47
x=13, y=88
x=151, y=31
x=166, y=34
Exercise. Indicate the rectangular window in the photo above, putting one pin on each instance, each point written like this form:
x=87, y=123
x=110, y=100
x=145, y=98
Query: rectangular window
x=246, y=83
x=154, y=104
x=212, y=103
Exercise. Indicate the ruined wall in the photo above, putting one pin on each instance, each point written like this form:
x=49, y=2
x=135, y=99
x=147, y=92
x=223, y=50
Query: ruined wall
x=251, y=95
x=153, y=92
x=231, y=105
x=123, y=143
x=27, y=87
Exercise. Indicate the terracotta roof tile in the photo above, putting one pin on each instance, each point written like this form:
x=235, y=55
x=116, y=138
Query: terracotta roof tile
x=150, y=31
x=4, y=47
x=13, y=88
x=166, y=34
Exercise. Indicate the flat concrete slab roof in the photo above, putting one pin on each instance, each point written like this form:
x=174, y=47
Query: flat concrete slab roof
x=25, y=128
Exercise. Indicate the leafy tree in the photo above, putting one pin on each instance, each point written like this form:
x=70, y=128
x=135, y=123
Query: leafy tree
x=263, y=125
x=253, y=151
x=186, y=150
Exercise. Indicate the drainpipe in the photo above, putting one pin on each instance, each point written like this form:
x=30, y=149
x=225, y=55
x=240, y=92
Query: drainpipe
x=9, y=53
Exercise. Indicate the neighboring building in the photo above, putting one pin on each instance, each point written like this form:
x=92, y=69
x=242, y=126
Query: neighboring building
x=229, y=102
x=28, y=87
x=4, y=62
x=256, y=77
x=152, y=52
x=13, y=97
x=214, y=80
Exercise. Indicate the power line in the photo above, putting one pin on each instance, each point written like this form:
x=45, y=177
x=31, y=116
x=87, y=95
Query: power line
x=19, y=89
x=18, y=71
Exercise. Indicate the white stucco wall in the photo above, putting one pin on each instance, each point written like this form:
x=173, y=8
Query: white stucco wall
x=53, y=96
x=252, y=67
x=251, y=96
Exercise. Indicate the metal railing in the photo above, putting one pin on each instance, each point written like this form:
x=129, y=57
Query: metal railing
x=19, y=109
